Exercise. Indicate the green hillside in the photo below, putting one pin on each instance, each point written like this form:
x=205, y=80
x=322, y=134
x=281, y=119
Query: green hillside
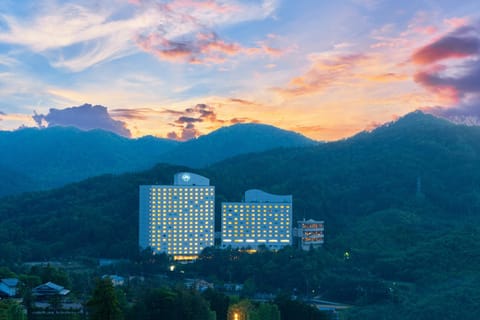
x=403, y=200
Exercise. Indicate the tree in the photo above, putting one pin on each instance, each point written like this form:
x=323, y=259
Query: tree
x=104, y=303
x=11, y=310
x=218, y=302
x=266, y=311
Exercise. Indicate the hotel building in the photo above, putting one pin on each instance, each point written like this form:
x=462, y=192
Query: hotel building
x=178, y=219
x=310, y=234
x=262, y=219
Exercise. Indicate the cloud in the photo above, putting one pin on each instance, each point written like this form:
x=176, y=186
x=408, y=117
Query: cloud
x=446, y=48
x=326, y=71
x=84, y=117
x=463, y=114
x=77, y=36
x=188, y=132
x=243, y=120
x=456, y=22
x=456, y=86
x=242, y=101
x=132, y=114
x=203, y=47
x=453, y=82
x=185, y=121
x=388, y=77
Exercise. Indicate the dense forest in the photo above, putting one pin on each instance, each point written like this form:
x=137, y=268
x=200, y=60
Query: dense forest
x=402, y=200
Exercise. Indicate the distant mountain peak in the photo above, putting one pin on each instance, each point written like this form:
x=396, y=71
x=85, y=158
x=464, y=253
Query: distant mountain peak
x=233, y=140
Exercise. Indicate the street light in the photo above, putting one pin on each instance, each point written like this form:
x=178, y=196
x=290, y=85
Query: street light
x=235, y=316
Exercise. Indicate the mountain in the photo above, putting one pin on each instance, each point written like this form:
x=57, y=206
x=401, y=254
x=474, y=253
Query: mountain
x=230, y=141
x=45, y=158
x=419, y=164
x=36, y=159
x=402, y=200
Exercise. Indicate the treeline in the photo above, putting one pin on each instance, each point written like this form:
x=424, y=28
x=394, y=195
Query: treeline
x=149, y=298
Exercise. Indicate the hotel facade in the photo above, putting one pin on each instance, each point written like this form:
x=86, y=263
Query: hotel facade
x=310, y=234
x=261, y=219
x=178, y=219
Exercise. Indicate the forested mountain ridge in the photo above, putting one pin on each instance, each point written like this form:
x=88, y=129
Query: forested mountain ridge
x=52, y=157
x=403, y=200
x=38, y=159
x=419, y=163
x=231, y=141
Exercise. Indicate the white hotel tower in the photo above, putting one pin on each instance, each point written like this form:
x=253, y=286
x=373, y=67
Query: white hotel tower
x=262, y=219
x=178, y=219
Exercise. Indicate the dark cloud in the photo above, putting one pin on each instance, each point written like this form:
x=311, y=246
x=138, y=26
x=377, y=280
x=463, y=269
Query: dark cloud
x=205, y=47
x=459, y=85
x=188, y=132
x=2, y=113
x=184, y=119
x=241, y=101
x=187, y=119
x=460, y=80
x=133, y=114
x=85, y=117
x=242, y=120
x=447, y=47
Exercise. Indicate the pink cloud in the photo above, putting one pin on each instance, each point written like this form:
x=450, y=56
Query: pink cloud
x=208, y=5
x=427, y=30
x=204, y=47
x=462, y=42
x=445, y=80
x=445, y=48
x=456, y=22
x=432, y=80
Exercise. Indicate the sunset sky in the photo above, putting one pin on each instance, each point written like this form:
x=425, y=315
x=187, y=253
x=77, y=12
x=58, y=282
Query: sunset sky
x=183, y=68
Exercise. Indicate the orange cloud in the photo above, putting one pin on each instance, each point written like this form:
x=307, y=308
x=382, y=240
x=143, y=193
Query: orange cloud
x=387, y=77
x=324, y=72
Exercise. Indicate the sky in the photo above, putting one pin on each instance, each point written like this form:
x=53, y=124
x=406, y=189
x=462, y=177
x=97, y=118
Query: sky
x=179, y=69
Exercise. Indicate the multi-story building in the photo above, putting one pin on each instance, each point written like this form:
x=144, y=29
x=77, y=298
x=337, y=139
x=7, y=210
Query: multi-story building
x=178, y=219
x=310, y=234
x=262, y=219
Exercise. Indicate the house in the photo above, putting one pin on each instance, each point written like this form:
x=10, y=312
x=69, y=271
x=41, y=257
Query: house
x=198, y=284
x=48, y=290
x=8, y=287
x=116, y=279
